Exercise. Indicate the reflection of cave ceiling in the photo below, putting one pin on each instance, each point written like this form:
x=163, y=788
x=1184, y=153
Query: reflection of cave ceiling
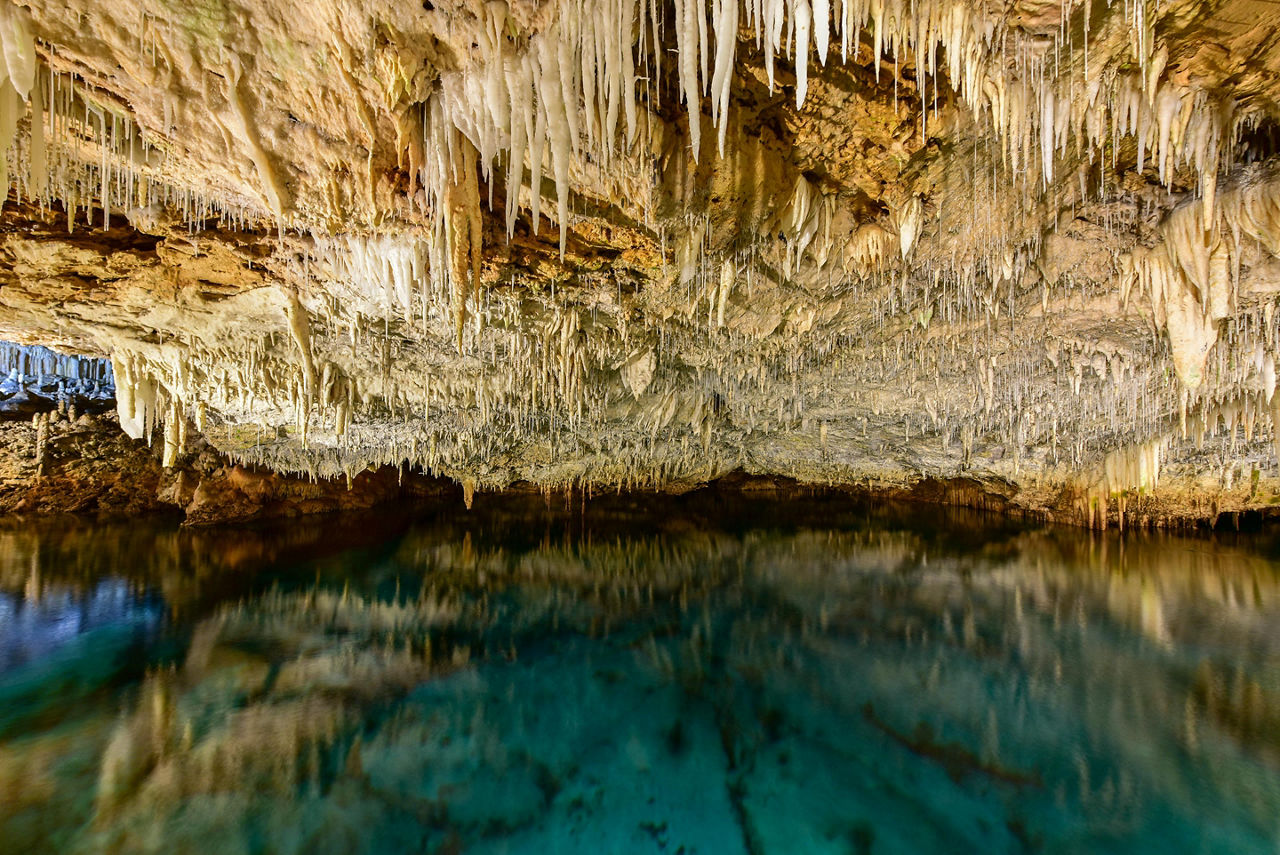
x=637, y=242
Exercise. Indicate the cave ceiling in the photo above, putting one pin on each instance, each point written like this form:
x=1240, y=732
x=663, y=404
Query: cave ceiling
x=642, y=243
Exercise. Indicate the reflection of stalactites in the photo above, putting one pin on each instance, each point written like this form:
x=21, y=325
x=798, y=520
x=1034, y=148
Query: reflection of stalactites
x=356, y=648
x=1152, y=614
x=138, y=744
x=1243, y=708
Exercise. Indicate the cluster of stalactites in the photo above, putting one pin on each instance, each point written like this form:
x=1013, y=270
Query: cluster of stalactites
x=1192, y=277
x=86, y=153
x=410, y=278
x=1134, y=468
x=1125, y=473
x=806, y=222
x=570, y=94
x=561, y=93
x=170, y=386
x=387, y=274
x=142, y=402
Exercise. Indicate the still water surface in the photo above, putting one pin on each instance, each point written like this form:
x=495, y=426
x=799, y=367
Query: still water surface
x=699, y=675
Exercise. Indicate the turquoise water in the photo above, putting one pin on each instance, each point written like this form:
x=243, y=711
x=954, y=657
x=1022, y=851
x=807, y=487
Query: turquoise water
x=699, y=675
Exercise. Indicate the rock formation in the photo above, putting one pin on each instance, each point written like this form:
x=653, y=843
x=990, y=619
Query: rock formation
x=628, y=243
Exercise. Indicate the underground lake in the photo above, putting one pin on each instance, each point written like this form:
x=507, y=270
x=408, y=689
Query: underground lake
x=701, y=674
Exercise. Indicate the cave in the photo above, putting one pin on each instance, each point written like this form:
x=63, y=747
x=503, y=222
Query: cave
x=639, y=426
